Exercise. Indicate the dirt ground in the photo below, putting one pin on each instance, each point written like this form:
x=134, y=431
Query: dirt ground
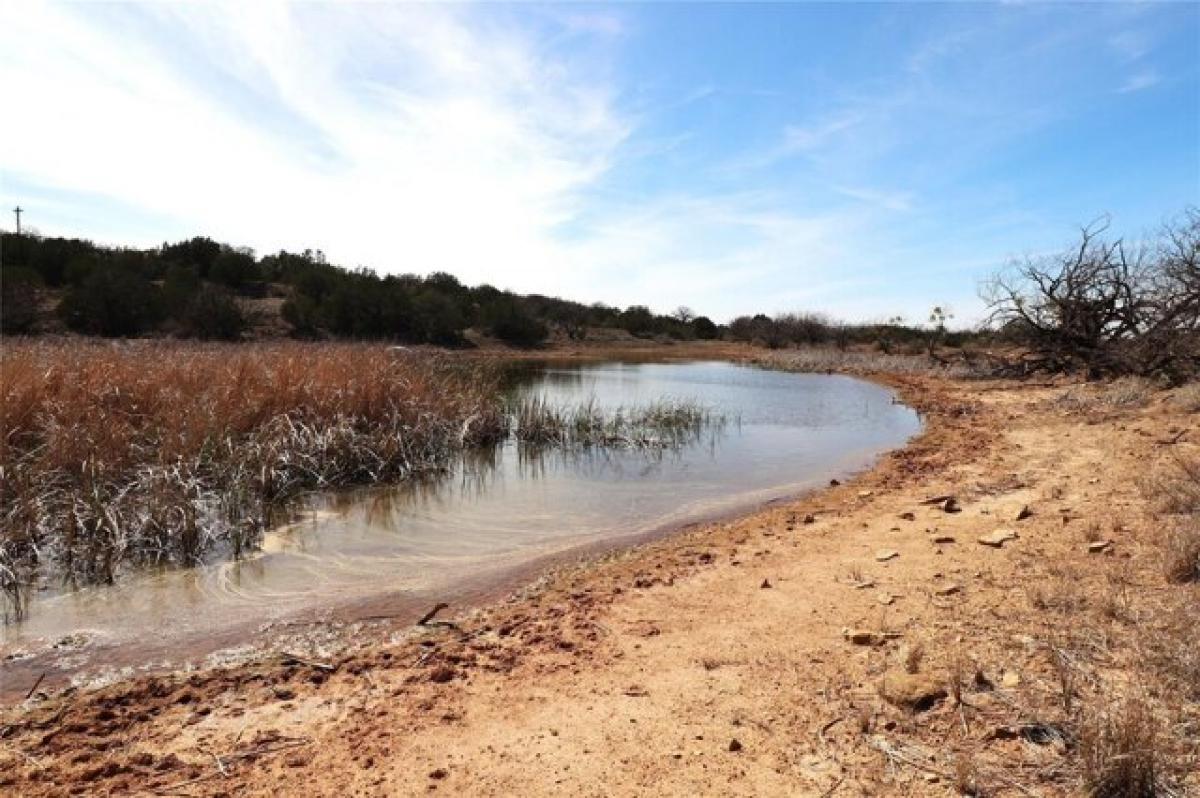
x=858, y=641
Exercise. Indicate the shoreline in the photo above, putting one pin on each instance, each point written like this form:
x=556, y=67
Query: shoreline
x=720, y=658
x=342, y=623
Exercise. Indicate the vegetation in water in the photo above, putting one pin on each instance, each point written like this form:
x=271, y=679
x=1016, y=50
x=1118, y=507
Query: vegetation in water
x=166, y=453
x=663, y=424
x=159, y=452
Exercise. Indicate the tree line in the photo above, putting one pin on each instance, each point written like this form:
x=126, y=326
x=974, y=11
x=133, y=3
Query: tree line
x=199, y=287
x=1104, y=306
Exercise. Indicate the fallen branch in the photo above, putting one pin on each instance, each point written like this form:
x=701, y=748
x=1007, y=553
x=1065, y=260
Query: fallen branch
x=827, y=727
x=35, y=686
x=427, y=617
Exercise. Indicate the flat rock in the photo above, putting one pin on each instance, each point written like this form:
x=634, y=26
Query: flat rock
x=998, y=538
x=883, y=555
x=912, y=691
x=867, y=637
x=948, y=590
x=1099, y=546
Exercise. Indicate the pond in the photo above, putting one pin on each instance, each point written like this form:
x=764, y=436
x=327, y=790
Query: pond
x=499, y=511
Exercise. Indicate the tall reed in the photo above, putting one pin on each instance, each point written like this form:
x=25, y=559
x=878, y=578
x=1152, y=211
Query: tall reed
x=666, y=423
x=115, y=455
x=142, y=452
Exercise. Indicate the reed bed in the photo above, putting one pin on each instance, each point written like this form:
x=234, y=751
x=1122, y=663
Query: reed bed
x=159, y=452
x=828, y=360
x=122, y=455
x=664, y=424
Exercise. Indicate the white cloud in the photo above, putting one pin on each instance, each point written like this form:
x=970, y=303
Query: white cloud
x=888, y=200
x=404, y=138
x=1139, y=81
x=409, y=139
x=1130, y=45
x=511, y=148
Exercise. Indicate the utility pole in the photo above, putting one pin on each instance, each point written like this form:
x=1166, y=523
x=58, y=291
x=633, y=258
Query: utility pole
x=17, y=212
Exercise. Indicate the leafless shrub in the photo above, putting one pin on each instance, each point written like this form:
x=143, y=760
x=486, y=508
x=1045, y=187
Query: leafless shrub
x=1181, y=551
x=1106, y=307
x=1119, y=749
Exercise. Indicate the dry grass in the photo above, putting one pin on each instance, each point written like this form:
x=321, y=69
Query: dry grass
x=824, y=360
x=117, y=455
x=1181, y=551
x=1173, y=492
x=1187, y=397
x=1119, y=750
x=1174, y=489
x=114, y=454
x=1125, y=392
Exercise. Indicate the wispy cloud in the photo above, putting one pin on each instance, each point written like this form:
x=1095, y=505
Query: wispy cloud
x=608, y=153
x=889, y=200
x=1139, y=81
x=803, y=138
x=1130, y=45
x=411, y=137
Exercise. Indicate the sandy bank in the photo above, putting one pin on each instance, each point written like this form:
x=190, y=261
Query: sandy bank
x=717, y=661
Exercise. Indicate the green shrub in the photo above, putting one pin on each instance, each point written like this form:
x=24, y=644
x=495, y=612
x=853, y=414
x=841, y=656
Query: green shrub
x=112, y=301
x=20, y=291
x=213, y=314
x=518, y=328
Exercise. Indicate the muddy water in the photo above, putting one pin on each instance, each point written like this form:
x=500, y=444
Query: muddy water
x=501, y=510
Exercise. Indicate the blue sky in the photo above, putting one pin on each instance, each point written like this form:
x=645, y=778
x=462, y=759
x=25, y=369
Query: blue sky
x=865, y=160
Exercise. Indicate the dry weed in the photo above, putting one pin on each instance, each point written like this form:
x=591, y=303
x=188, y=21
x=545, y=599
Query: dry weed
x=1119, y=749
x=1181, y=551
x=1187, y=397
x=1126, y=392
x=820, y=360
x=1174, y=488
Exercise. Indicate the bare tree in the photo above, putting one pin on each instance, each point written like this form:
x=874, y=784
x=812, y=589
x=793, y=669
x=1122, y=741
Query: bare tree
x=1106, y=307
x=683, y=314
